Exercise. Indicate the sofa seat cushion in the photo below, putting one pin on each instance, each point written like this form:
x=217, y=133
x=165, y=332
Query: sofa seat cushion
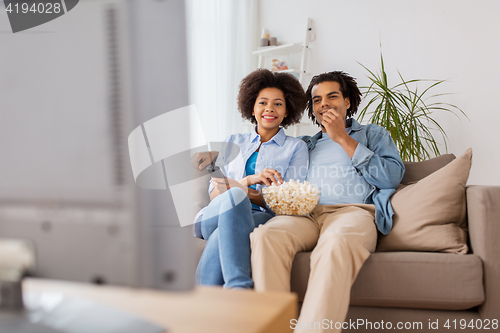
x=420, y=280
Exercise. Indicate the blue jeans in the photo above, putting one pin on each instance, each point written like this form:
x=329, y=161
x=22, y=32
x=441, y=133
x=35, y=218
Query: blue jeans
x=226, y=258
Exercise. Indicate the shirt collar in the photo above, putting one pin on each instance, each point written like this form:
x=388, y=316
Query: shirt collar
x=279, y=138
x=352, y=125
x=254, y=135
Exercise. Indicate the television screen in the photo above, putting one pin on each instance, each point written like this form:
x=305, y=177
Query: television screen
x=71, y=92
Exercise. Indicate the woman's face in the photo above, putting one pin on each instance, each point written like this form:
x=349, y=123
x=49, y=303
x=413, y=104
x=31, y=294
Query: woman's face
x=270, y=108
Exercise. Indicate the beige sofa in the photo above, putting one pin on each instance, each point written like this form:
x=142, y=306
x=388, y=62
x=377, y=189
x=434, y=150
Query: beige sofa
x=418, y=289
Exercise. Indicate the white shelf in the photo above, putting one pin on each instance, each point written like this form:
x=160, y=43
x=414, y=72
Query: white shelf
x=280, y=49
x=267, y=53
x=290, y=70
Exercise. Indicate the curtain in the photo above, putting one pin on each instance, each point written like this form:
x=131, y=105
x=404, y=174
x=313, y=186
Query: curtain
x=221, y=35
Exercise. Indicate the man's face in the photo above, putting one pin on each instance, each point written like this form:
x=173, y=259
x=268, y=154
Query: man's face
x=327, y=95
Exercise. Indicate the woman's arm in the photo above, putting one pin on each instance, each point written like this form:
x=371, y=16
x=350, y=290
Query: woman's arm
x=299, y=164
x=297, y=170
x=254, y=195
x=266, y=176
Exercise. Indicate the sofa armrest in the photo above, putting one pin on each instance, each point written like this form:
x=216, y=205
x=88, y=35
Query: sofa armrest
x=483, y=212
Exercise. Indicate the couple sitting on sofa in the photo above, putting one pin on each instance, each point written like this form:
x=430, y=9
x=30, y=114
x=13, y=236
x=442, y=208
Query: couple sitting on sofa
x=356, y=168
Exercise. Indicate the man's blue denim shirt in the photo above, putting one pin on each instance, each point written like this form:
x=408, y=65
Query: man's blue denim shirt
x=377, y=159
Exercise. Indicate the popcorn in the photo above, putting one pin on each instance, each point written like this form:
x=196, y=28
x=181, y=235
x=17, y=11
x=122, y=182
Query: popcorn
x=291, y=198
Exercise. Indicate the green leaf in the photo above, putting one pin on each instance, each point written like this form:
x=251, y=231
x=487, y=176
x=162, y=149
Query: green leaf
x=405, y=112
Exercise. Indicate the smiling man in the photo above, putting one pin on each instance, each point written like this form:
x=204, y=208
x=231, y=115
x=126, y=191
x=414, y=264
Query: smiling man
x=357, y=169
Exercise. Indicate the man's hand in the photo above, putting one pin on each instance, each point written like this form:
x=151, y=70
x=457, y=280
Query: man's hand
x=202, y=159
x=335, y=127
x=334, y=124
x=265, y=177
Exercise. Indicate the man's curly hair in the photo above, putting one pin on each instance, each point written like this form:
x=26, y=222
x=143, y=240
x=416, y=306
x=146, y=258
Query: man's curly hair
x=253, y=83
x=348, y=88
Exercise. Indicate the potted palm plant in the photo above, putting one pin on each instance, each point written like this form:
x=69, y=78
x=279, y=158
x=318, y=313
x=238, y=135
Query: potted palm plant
x=406, y=113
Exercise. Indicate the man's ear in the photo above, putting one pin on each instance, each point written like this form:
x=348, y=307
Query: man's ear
x=347, y=102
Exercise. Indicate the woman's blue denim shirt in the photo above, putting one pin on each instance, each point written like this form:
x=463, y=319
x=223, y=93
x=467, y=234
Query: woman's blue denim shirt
x=377, y=159
x=286, y=154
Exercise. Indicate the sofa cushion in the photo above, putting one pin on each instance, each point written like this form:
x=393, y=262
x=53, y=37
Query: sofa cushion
x=418, y=280
x=431, y=214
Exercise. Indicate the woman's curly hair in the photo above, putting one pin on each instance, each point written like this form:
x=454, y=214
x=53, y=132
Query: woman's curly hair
x=348, y=88
x=253, y=83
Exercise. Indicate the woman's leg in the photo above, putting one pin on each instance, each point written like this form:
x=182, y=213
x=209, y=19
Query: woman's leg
x=209, y=271
x=234, y=228
x=260, y=217
x=234, y=246
x=227, y=232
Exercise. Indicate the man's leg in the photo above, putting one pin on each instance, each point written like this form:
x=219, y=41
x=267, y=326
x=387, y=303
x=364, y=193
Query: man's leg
x=274, y=246
x=348, y=235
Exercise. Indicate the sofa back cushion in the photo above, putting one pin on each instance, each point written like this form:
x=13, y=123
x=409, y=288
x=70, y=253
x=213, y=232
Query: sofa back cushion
x=430, y=215
x=419, y=170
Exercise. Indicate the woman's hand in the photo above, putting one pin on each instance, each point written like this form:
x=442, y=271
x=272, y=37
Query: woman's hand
x=265, y=177
x=220, y=186
x=202, y=159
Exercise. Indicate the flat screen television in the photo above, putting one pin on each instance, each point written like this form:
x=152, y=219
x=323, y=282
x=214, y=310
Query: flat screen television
x=71, y=91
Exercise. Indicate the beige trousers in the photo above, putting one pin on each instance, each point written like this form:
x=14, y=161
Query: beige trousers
x=341, y=238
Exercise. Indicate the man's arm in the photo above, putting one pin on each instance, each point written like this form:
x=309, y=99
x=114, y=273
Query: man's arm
x=379, y=163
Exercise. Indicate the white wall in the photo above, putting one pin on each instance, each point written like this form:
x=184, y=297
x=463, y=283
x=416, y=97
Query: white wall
x=456, y=40
x=219, y=38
